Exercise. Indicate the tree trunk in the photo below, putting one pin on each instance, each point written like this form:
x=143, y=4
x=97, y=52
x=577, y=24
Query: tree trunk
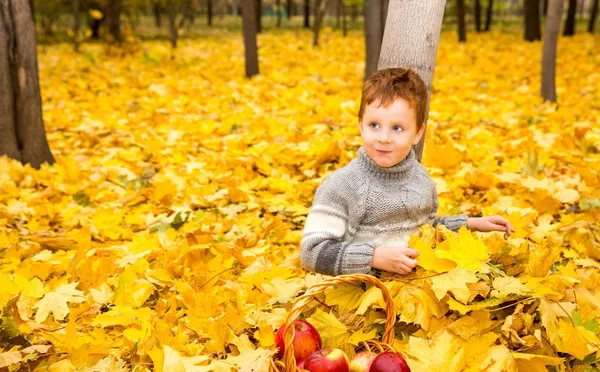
x=209, y=12
x=411, y=38
x=344, y=20
x=373, y=35
x=545, y=8
x=460, y=14
x=279, y=11
x=156, y=11
x=385, y=4
x=553, y=21
x=114, y=19
x=570, y=21
x=353, y=12
x=319, y=13
x=488, y=18
x=477, y=15
x=338, y=13
x=172, y=25
x=307, y=13
x=532, y=20
x=76, y=24
x=258, y=15
x=593, y=13
x=288, y=9
x=22, y=133
x=249, y=28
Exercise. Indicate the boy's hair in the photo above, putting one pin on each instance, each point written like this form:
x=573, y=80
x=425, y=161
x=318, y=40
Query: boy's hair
x=387, y=85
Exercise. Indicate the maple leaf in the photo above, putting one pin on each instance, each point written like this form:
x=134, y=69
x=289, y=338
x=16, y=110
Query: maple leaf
x=56, y=302
x=454, y=281
x=427, y=257
x=466, y=251
x=443, y=353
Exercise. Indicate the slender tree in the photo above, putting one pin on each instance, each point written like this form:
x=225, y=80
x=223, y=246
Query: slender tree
x=209, y=12
x=258, y=15
x=373, y=35
x=319, y=14
x=532, y=20
x=593, y=13
x=114, y=19
x=570, y=21
x=157, y=13
x=553, y=21
x=460, y=13
x=477, y=15
x=279, y=11
x=249, y=29
x=344, y=19
x=288, y=7
x=172, y=23
x=385, y=4
x=411, y=38
x=22, y=133
x=488, y=18
x=306, y=13
x=76, y=23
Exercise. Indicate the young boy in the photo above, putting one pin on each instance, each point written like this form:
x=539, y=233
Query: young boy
x=364, y=213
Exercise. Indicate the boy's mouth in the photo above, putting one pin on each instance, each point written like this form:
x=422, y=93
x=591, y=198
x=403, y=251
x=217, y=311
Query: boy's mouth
x=381, y=152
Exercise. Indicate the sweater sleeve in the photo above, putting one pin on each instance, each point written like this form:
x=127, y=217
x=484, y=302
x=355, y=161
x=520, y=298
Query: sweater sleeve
x=453, y=223
x=323, y=248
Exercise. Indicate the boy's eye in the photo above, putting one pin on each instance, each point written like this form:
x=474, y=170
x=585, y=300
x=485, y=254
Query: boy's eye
x=397, y=128
x=374, y=125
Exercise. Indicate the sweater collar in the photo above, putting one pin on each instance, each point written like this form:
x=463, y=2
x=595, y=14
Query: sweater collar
x=392, y=172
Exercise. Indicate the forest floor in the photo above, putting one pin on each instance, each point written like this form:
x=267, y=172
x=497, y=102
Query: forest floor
x=166, y=237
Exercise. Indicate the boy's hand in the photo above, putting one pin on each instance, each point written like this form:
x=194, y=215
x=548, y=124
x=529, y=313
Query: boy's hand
x=490, y=223
x=394, y=259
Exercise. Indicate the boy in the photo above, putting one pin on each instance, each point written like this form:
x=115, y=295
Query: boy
x=363, y=213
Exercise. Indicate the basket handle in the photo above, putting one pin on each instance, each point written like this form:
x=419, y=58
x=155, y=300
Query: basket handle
x=302, y=301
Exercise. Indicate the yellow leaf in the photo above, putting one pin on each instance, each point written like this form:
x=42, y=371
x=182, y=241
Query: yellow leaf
x=371, y=297
x=474, y=324
x=443, y=353
x=345, y=296
x=467, y=251
x=428, y=259
x=332, y=331
x=455, y=281
x=56, y=302
x=499, y=359
x=534, y=362
x=507, y=285
x=359, y=336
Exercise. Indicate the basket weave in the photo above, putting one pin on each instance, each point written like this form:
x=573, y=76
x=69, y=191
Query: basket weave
x=289, y=361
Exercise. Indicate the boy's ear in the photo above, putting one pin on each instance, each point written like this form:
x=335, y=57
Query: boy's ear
x=419, y=134
x=360, y=126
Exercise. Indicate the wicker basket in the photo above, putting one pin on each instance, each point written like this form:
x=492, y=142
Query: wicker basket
x=288, y=364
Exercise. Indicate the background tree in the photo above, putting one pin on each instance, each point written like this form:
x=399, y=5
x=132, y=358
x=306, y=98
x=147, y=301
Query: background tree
x=488, y=17
x=258, y=15
x=593, y=13
x=373, y=10
x=477, y=15
x=209, y=12
x=22, y=133
x=411, y=38
x=114, y=19
x=460, y=14
x=249, y=31
x=172, y=8
x=570, y=21
x=532, y=20
x=318, y=21
x=307, y=13
x=76, y=23
x=553, y=21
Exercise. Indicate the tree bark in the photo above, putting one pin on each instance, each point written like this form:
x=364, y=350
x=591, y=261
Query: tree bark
x=172, y=25
x=532, y=20
x=306, y=13
x=344, y=20
x=76, y=24
x=411, y=38
x=385, y=4
x=593, y=13
x=288, y=9
x=258, y=15
x=488, y=18
x=477, y=15
x=545, y=11
x=279, y=11
x=553, y=21
x=373, y=35
x=319, y=13
x=249, y=28
x=460, y=14
x=209, y=12
x=570, y=21
x=22, y=133
x=114, y=19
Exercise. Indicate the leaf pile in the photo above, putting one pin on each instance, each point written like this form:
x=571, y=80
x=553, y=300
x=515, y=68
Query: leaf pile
x=166, y=236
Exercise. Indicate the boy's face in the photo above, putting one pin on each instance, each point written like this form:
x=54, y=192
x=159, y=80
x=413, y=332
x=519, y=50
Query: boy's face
x=388, y=133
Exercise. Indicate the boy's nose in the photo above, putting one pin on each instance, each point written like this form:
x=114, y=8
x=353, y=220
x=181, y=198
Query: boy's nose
x=384, y=137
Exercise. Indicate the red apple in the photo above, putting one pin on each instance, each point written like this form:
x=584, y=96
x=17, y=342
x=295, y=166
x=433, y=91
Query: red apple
x=389, y=362
x=362, y=361
x=306, y=340
x=327, y=360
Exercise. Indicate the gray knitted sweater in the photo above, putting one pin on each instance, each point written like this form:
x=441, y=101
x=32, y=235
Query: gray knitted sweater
x=362, y=206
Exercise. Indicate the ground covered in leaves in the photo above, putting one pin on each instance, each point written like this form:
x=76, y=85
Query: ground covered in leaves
x=166, y=236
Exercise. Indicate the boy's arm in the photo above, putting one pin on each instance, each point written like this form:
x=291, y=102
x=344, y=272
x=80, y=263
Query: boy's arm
x=453, y=223
x=323, y=249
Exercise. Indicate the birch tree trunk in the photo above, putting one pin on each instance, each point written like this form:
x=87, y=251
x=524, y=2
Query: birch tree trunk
x=249, y=30
x=411, y=38
x=553, y=21
x=373, y=35
x=22, y=133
